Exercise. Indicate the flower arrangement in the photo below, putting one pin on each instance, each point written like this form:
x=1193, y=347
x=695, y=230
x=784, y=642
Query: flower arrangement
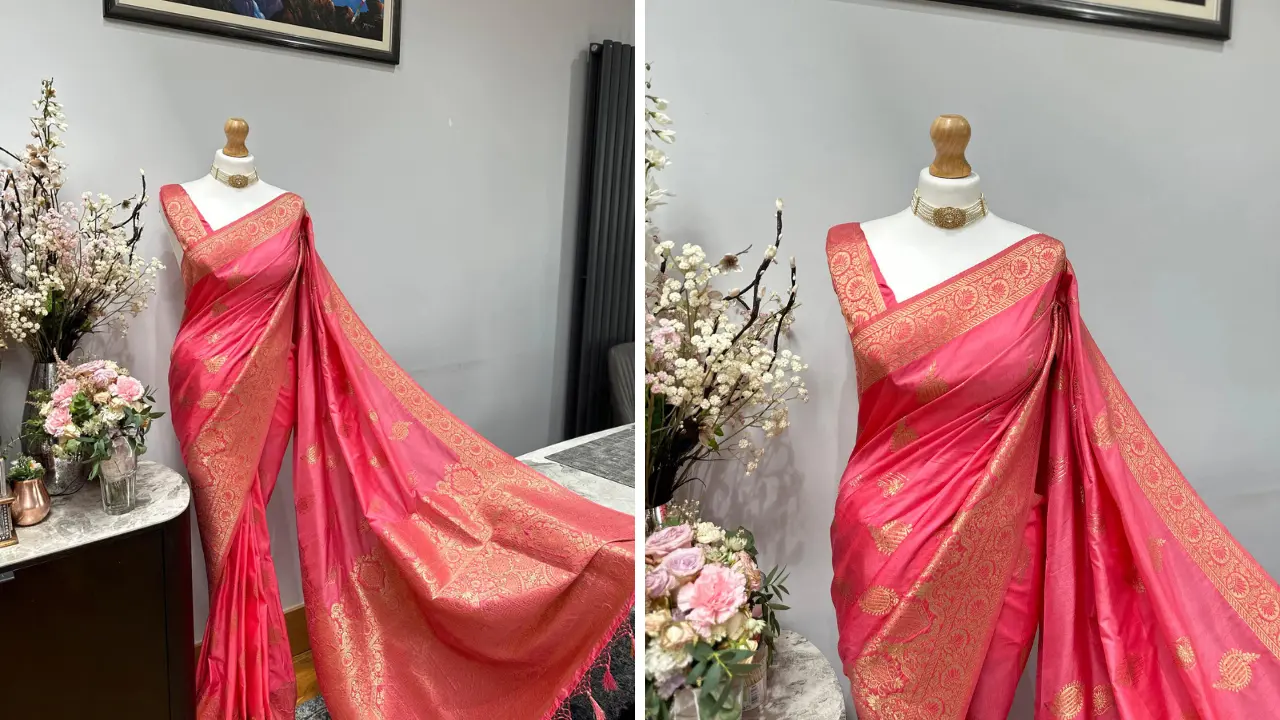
x=25, y=468
x=708, y=608
x=66, y=270
x=716, y=371
x=93, y=404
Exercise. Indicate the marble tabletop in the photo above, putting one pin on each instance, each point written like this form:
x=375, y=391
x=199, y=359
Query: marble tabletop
x=597, y=489
x=801, y=684
x=78, y=519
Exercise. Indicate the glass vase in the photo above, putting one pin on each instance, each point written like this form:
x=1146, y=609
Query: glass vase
x=44, y=376
x=119, y=474
x=63, y=475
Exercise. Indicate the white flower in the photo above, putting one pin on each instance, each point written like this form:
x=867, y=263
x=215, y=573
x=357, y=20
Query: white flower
x=707, y=533
x=661, y=664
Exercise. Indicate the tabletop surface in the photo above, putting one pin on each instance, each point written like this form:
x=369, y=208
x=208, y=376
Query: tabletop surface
x=78, y=519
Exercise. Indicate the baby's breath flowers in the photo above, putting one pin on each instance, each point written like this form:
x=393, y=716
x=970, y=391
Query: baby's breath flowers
x=66, y=270
x=716, y=372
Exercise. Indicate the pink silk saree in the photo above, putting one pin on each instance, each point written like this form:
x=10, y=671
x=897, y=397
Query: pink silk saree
x=1003, y=482
x=442, y=578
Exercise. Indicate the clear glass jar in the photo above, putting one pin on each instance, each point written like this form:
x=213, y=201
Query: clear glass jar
x=119, y=474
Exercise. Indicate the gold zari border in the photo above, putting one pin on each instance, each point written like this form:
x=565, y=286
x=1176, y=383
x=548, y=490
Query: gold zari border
x=849, y=262
x=930, y=321
x=1235, y=575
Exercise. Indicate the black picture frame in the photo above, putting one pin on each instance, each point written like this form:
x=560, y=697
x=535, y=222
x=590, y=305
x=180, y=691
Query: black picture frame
x=123, y=10
x=1218, y=29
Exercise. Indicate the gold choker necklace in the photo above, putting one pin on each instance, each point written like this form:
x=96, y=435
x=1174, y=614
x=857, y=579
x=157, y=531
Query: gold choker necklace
x=235, y=181
x=948, y=218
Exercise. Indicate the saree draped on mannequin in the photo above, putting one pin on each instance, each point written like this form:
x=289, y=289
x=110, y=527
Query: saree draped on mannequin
x=442, y=578
x=1003, y=482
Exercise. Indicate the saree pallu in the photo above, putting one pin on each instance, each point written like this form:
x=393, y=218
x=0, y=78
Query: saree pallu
x=1002, y=483
x=442, y=578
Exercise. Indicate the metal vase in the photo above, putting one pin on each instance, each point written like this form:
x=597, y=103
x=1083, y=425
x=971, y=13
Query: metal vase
x=44, y=376
x=63, y=475
x=31, y=502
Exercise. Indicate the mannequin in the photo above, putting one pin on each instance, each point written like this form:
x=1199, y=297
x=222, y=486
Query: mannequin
x=219, y=202
x=914, y=255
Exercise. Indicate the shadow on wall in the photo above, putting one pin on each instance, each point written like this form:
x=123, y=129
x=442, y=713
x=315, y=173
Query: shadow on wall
x=766, y=502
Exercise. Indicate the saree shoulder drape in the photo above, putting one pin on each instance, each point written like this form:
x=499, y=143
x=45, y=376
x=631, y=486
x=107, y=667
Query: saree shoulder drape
x=442, y=578
x=1002, y=483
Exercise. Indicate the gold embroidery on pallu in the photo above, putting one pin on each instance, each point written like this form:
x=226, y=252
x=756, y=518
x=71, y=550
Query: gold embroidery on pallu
x=889, y=536
x=1236, y=576
x=215, y=363
x=902, y=436
x=1236, y=670
x=891, y=483
x=1068, y=702
x=877, y=600
x=852, y=277
x=927, y=323
x=1155, y=546
x=1131, y=670
x=935, y=637
x=1183, y=653
x=1057, y=469
x=233, y=241
x=931, y=387
x=1104, y=698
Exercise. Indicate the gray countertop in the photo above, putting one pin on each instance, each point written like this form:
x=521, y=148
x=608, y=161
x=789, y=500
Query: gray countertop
x=592, y=487
x=78, y=519
x=801, y=684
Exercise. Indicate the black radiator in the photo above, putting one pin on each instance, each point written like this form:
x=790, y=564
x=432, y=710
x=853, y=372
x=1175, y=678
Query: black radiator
x=604, y=297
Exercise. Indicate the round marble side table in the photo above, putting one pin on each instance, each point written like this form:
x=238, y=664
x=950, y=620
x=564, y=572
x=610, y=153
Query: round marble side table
x=801, y=684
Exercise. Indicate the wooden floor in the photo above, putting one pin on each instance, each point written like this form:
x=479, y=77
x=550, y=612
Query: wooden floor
x=305, y=670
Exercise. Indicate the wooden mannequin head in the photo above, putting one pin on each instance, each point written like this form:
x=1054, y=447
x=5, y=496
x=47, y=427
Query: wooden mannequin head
x=237, y=130
x=950, y=134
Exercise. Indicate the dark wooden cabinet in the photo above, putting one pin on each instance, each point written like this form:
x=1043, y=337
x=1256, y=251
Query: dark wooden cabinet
x=101, y=631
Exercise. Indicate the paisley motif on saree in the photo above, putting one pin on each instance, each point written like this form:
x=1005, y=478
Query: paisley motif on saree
x=443, y=578
x=1037, y=499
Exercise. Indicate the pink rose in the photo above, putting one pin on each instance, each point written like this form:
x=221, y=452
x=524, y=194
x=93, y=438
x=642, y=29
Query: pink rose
x=104, y=377
x=658, y=582
x=63, y=393
x=684, y=562
x=58, y=418
x=659, y=544
x=714, y=597
x=743, y=563
x=89, y=367
x=129, y=389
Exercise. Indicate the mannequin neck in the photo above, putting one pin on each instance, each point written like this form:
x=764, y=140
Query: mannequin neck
x=946, y=192
x=233, y=165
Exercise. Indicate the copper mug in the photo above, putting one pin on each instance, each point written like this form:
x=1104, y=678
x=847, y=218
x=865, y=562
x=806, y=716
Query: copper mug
x=31, y=502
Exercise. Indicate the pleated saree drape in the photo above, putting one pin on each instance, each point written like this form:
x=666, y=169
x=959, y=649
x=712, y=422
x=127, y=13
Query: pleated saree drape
x=443, y=579
x=1003, y=483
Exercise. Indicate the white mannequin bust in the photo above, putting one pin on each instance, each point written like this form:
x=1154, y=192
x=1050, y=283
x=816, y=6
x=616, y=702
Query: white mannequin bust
x=914, y=255
x=217, y=201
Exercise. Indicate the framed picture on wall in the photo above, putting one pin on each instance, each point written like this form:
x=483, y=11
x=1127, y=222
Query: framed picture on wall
x=1200, y=18
x=368, y=29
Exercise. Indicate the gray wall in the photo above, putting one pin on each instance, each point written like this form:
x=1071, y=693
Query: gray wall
x=1152, y=158
x=443, y=190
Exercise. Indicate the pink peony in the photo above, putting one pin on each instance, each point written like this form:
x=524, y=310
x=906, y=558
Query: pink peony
x=58, y=418
x=63, y=393
x=714, y=597
x=684, y=562
x=658, y=582
x=129, y=389
x=659, y=544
